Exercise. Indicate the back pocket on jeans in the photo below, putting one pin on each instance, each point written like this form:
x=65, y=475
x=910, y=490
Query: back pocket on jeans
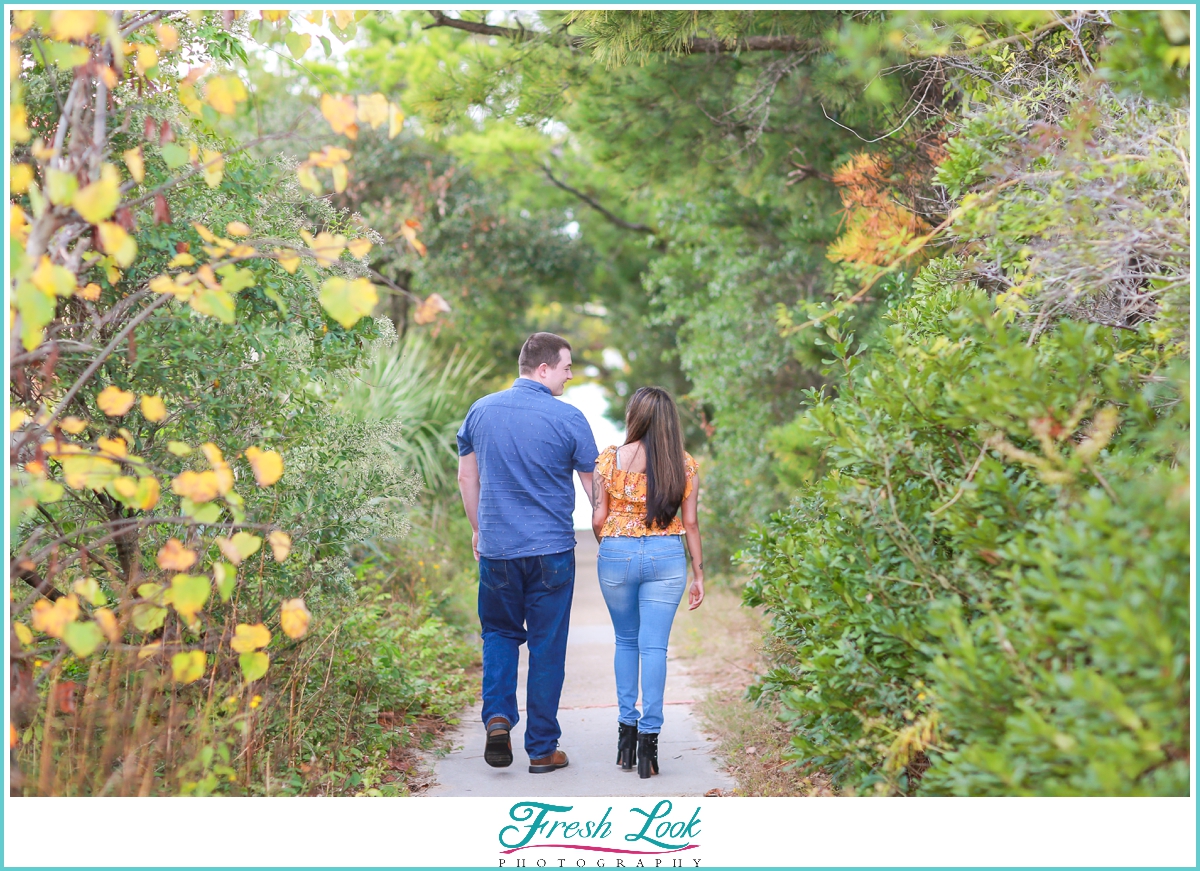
x=557, y=569
x=613, y=570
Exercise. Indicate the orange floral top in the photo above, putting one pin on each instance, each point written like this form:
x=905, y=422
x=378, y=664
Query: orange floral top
x=627, y=497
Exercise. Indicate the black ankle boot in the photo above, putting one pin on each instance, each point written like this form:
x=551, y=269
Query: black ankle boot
x=627, y=737
x=647, y=752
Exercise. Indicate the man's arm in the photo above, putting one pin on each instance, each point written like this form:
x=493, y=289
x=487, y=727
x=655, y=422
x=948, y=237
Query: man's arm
x=468, y=486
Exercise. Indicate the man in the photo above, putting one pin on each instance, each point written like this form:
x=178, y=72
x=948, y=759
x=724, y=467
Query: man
x=517, y=449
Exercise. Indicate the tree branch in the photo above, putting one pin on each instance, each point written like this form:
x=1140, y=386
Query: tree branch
x=698, y=45
x=609, y=216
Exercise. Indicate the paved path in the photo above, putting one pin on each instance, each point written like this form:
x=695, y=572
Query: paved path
x=588, y=716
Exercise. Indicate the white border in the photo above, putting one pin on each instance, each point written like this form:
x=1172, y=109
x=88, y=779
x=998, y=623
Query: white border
x=781, y=832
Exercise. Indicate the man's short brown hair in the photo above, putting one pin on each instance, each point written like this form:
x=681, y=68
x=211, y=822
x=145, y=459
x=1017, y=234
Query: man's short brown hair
x=541, y=348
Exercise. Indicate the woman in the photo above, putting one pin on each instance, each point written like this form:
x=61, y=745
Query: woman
x=638, y=490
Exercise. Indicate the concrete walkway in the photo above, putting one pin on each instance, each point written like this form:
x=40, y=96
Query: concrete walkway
x=588, y=716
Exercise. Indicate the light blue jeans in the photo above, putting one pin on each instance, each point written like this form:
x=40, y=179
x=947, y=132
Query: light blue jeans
x=642, y=580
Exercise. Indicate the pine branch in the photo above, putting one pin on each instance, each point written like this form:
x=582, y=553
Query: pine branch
x=697, y=45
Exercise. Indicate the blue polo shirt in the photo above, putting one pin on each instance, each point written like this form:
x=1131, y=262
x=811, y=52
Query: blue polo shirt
x=528, y=445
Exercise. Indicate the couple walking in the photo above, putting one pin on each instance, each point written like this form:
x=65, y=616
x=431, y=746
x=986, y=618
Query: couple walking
x=517, y=451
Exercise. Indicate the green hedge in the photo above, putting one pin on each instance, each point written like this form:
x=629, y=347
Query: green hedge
x=985, y=591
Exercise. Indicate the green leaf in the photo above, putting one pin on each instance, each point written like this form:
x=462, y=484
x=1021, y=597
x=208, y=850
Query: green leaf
x=82, y=638
x=246, y=543
x=188, y=594
x=214, y=303
x=65, y=55
x=347, y=301
x=147, y=618
x=226, y=577
x=61, y=186
x=298, y=44
x=234, y=279
x=175, y=155
x=207, y=512
x=254, y=665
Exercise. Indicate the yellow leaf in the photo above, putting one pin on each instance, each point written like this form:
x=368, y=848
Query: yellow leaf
x=114, y=401
x=254, y=666
x=53, y=280
x=359, y=248
x=72, y=24
x=174, y=557
x=197, y=486
x=348, y=301
x=109, y=76
x=342, y=17
x=174, y=286
x=153, y=409
x=89, y=590
x=112, y=447
x=326, y=247
x=24, y=635
x=188, y=594
x=188, y=667
x=267, y=465
x=136, y=164
x=153, y=647
x=308, y=179
x=341, y=175
x=72, y=425
x=115, y=241
x=168, y=36
x=229, y=551
x=247, y=638
x=214, y=167
x=237, y=228
x=288, y=259
x=281, y=544
x=97, y=201
x=53, y=618
x=395, y=120
x=224, y=93
x=147, y=59
x=205, y=233
x=125, y=487
x=328, y=156
x=340, y=112
x=274, y=15
x=107, y=622
x=182, y=259
x=373, y=110
x=179, y=449
x=294, y=618
x=147, y=494
x=430, y=308
x=20, y=178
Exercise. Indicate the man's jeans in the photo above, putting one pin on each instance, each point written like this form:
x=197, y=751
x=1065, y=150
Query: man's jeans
x=642, y=580
x=526, y=599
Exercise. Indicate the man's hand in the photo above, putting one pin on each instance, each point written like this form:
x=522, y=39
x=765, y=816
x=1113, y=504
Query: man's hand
x=475, y=544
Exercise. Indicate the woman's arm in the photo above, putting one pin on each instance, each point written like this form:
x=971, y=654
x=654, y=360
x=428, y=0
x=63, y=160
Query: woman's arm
x=691, y=525
x=599, y=503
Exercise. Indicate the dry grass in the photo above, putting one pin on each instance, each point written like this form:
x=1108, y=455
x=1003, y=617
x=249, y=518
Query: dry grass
x=720, y=644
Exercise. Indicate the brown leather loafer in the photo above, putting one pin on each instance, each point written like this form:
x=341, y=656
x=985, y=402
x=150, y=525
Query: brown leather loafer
x=554, y=761
x=498, y=750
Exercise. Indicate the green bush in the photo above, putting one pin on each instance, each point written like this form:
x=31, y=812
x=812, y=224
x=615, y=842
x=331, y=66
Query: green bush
x=981, y=587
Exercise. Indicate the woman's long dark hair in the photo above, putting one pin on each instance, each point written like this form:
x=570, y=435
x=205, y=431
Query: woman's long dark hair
x=652, y=418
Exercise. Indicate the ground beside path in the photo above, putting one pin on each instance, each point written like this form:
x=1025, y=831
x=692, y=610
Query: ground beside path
x=588, y=716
